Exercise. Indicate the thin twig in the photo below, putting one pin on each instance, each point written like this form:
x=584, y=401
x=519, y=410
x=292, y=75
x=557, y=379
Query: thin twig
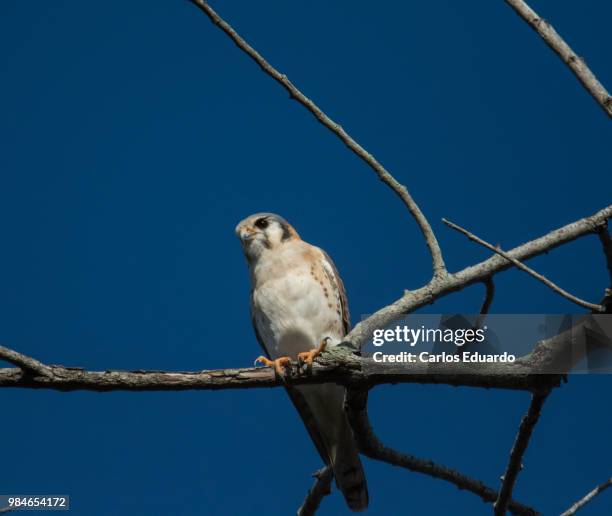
x=528, y=270
x=486, y=304
x=587, y=498
x=439, y=268
x=319, y=490
x=24, y=362
x=575, y=63
x=371, y=446
x=518, y=450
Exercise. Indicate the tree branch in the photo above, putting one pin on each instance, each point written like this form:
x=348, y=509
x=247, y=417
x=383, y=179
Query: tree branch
x=412, y=300
x=486, y=304
x=606, y=244
x=27, y=364
x=528, y=270
x=537, y=371
x=439, y=268
x=587, y=498
x=371, y=446
x=518, y=450
x=319, y=490
x=565, y=53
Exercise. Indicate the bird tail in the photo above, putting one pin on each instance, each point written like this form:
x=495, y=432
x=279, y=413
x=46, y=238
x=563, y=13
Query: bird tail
x=348, y=470
x=321, y=409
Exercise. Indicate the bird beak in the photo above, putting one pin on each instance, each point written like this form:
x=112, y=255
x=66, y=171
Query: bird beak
x=244, y=234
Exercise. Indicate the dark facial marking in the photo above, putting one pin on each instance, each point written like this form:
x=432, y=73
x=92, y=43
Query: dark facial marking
x=261, y=223
x=286, y=232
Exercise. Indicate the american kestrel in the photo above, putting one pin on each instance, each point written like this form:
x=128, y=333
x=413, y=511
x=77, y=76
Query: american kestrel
x=298, y=307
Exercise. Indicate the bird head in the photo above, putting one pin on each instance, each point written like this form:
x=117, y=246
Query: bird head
x=264, y=231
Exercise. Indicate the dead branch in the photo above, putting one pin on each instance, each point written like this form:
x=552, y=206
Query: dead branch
x=439, y=268
x=412, y=300
x=486, y=304
x=606, y=244
x=518, y=450
x=575, y=63
x=539, y=370
x=587, y=498
x=371, y=446
x=26, y=363
x=319, y=490
x=528, y=270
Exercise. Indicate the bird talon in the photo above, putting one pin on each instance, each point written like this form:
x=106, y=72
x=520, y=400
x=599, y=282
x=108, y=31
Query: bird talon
x=280, y=365
x=307, y=357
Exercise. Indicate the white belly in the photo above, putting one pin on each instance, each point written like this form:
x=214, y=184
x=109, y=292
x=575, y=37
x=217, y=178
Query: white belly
x=292, y=314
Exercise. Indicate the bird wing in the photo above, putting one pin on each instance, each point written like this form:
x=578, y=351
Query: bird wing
x=336, y=282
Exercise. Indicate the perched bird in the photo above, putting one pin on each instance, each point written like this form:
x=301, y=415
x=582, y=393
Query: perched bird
x=298, y=307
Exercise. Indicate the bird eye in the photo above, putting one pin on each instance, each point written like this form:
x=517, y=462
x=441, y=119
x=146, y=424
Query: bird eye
x=261, y=223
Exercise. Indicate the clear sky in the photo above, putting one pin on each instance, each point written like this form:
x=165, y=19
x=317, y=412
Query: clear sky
x=135, y=135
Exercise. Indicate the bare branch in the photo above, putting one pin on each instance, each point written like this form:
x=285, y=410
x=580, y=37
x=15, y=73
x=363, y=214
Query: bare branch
x=415, y=299
x=320, y=489
x=334, y=367
x=439, y=268
x=486, y=304
x=575, y=63
x=24, y=362
x=537, y=371
x=371, y=446
x=528, y=270
x=606, y=243
x=518, y=450
x=587, y=498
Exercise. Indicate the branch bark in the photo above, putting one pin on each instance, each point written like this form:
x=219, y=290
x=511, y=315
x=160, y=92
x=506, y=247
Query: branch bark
x=587, y=498
x=575, y=63
x=518, y=450
x=371, y=446
x=24, y=362
x=439, y=268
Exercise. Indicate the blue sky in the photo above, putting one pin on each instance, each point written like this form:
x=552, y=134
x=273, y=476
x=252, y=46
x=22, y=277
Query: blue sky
x=135, y=136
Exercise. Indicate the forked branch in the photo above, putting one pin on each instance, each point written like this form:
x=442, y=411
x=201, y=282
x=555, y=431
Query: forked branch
x=439, y=268
x=528, y=270
x=371, y=446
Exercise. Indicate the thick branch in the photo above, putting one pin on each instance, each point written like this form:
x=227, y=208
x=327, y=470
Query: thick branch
x=537, y=371
x=385, y=176
x=320, y=489
x=587, y=498
x=528, y=270
x=518, y=450
x=371, y=446
x=575, y=63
